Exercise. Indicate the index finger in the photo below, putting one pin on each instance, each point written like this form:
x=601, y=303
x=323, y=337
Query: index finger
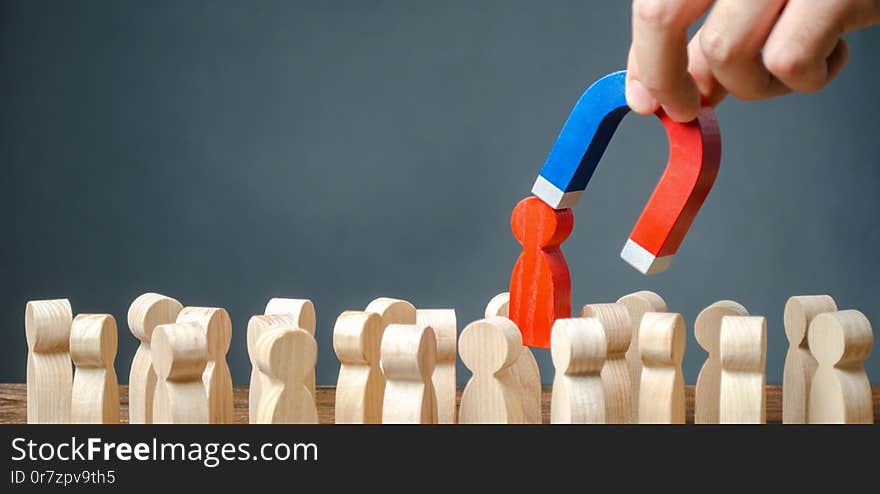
x=660, y=51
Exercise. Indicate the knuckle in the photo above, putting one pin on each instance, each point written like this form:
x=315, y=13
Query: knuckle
x=794, y=67
x=716, y=47
x=661, y=13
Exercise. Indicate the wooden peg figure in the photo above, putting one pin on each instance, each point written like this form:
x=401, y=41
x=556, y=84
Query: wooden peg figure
x=145, y=313
x=743, y=355
x=540, y=285
x=360, y=387
x=638, y=304
x=285, y=356
x=525, y=370
x=95, y=396
x=303, y=313
x=180, y=355
x=840, y=392
x=661, y=346
x=391, y=311
x=799, y=362
x=445, y=327
x=49, y=375
x=578, y=348
x=489, y=347
x=257, y=325
x=707, y=328
x=408, y=356
x=615, y=373
x=217, y=325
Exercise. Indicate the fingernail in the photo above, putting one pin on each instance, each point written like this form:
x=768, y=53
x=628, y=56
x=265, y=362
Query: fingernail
x=639, y=99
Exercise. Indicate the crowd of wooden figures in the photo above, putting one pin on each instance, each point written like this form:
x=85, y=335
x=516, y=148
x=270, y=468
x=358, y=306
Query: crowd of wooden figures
x=617, y=363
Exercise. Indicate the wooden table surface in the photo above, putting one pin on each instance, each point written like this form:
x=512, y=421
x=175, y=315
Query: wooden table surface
x=13, y=408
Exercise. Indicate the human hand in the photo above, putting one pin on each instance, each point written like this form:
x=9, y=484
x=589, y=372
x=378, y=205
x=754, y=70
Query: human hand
x=752, y=49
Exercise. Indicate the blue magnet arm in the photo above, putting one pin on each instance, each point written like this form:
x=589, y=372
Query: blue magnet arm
x=582, y=141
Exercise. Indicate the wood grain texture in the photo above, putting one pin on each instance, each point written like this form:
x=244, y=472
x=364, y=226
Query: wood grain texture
x=217, y=325
x=180, y=354
x=540, y=284
x=707, y=329
x=408, y=356
x=13, y=403
x=257, y=325
x=661, y=346
x=840, y=392
x=445, y=327
x=49, y=373
x=145, y=313
x=800, y=366
x=525, y=370
x=743, y=370
x=360, y=387
x=615, y=373
x=391, y=311
x=489, y=347
x=286, y=358
x=302, y=311
x=95, y=395
x=638, y=304
x=578, y=348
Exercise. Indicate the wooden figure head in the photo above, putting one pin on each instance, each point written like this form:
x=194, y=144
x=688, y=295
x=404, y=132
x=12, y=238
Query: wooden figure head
x=357, y=337
x=707, y=327
x=47, y=325
x=259, y=324
x=443, y=322
x=841, y=339
x=216, y=324
x=800, y=311
x=578, y=346
x=499, y=306
x=148, y=311
x=743, y=343
x=286, y=354
x=662, y=339
x=538, y=226
x=489, y=346
x=393, y=311
x=615, y=321
x=93, y=340
x=302, y=310
x=409, y=352
x=641, y=302
x=180, y=351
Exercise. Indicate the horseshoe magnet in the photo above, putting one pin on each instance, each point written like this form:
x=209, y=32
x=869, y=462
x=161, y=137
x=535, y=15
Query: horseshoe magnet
x=540, y=285
x=694, y=157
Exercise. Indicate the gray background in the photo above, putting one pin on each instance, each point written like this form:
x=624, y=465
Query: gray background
x=227, y=152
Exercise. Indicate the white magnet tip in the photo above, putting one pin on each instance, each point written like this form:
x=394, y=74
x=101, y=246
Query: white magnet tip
x=555, y=198
x=639, y=258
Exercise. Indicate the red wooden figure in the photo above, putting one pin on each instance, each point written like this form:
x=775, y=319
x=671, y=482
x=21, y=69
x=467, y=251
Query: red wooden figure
x=540, y=286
